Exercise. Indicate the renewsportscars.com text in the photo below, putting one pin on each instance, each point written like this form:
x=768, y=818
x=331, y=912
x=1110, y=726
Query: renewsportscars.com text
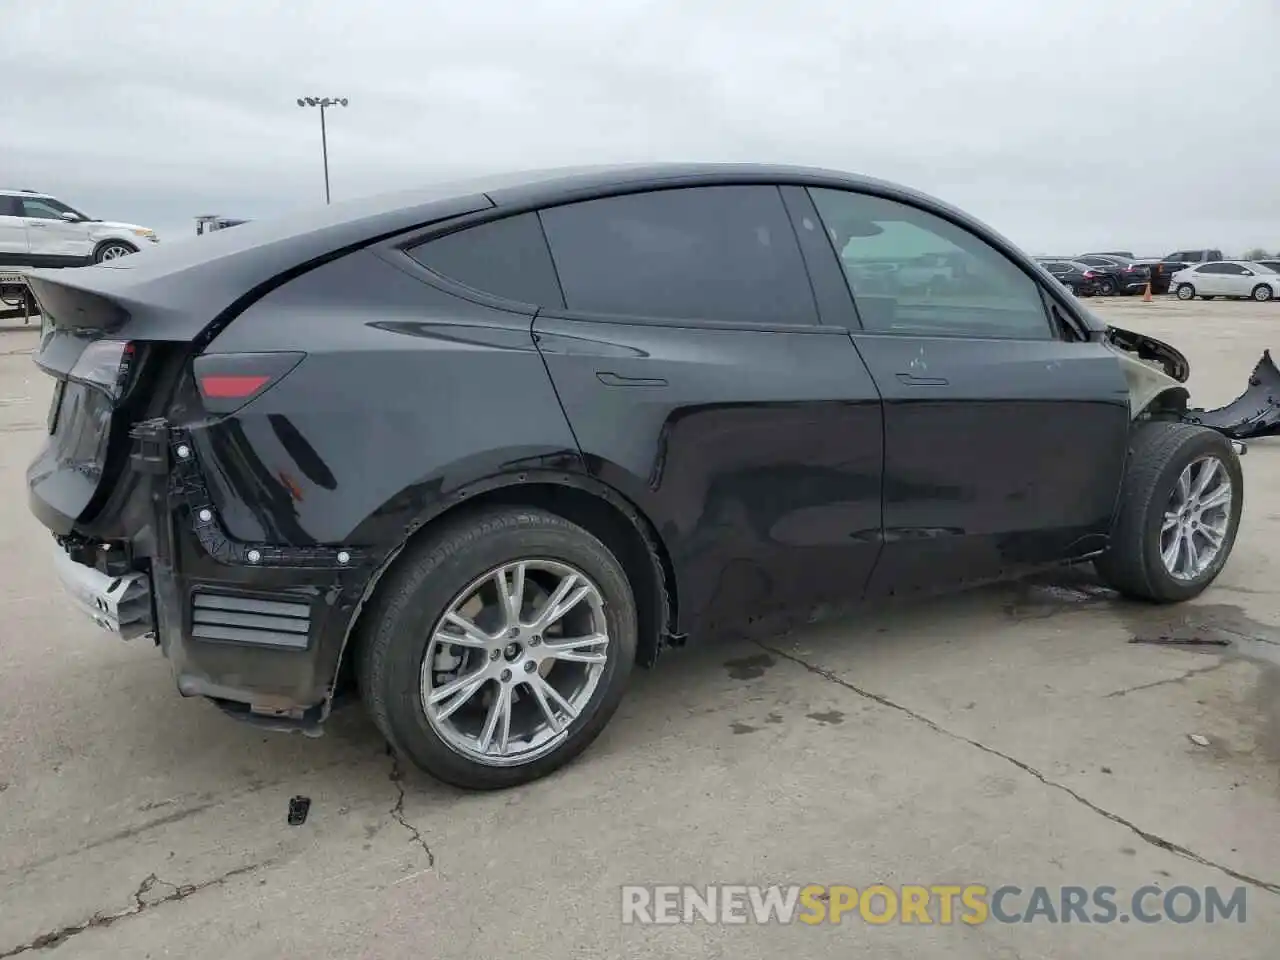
x=942, y=904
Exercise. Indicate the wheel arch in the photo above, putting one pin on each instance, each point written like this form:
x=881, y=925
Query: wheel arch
x=604, y=512
x=107, y=241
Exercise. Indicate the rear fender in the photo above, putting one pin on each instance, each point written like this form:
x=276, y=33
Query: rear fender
x=439, y=509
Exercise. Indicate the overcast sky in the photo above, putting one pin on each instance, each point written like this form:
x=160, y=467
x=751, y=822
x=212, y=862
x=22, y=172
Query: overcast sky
x=1142, y=125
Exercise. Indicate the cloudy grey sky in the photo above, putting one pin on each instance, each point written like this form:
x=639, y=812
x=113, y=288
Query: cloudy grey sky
x=1114, y=124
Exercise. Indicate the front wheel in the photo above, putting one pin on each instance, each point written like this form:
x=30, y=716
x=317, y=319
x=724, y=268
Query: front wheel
x=1179, y=512
x=500, y=648
x=1262, y=293
x=1186, y=291
x=113, y=250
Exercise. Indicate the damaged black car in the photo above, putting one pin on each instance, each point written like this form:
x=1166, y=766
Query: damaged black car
x=474, y=452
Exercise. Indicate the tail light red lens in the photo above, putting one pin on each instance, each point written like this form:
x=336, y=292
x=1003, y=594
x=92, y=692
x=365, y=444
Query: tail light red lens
x=227, y=381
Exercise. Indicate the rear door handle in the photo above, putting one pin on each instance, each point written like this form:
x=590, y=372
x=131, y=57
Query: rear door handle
x=913, y=381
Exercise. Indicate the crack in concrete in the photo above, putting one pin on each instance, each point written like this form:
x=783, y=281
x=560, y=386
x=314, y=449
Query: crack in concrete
x=397, y=813
x=1186, y=675
x=1153, y=839
x=141, y=903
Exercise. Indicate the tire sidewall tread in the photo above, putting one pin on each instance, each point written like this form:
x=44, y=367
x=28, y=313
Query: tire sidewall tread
x=426, y=579
x=1159, y=451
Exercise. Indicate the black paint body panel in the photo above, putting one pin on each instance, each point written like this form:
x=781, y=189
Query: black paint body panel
x=756, y=454
x=1000, y=455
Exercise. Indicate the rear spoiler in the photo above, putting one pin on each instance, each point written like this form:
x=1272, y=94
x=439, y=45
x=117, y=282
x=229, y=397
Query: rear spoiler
x=188, y=290
x=71, y=308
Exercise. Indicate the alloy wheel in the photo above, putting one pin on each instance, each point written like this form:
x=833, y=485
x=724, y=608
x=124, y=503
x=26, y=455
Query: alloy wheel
x=1262, y=293
x=514, y=660
x=1196, y=518
x=114, y=251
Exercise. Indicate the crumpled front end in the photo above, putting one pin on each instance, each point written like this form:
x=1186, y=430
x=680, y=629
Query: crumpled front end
x=1255, y=413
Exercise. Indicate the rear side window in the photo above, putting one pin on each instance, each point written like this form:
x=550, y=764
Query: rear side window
x=725, y=253
x=9, y=207
x=505, y=258
x=1212, y=268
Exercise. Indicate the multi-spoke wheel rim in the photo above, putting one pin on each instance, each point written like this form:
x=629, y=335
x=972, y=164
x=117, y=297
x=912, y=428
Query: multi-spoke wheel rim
x=1185, y=292
x=514, y=660
x=1196, y=519
x=115, y=252
x=1262, y=293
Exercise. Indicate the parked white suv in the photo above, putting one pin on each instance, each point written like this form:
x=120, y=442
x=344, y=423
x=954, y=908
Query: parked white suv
x=37, y=230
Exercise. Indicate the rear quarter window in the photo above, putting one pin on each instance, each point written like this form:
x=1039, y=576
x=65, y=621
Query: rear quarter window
x=505, y=258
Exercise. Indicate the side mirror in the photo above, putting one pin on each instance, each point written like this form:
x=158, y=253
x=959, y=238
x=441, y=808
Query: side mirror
x=68, y=216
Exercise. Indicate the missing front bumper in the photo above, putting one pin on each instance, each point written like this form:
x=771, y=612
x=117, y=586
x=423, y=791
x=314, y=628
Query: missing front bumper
x=1255, y=413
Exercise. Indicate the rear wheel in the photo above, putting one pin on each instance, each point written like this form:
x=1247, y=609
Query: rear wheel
x=1106, y=288
x=500, y=649
x=1179, y=512
x=1186, y=291
x=1262, y=293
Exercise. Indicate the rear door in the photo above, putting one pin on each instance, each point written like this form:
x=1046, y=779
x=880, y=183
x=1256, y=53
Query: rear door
x=700, y=383
x=1210, y=279
x=13, y=233
x=1004, y=442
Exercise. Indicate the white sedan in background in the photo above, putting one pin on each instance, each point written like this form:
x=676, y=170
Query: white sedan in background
x=1227, y=278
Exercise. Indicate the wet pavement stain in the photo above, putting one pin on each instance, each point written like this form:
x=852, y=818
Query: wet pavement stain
x=773, y=718
x=827, y=716
x=1047, y=595
x=1221, y=630
x=741, y=728
x=749, y=668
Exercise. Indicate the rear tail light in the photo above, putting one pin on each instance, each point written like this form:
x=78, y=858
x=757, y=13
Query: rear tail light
x=106, y=365
x=227, y=381
x=1089, y=274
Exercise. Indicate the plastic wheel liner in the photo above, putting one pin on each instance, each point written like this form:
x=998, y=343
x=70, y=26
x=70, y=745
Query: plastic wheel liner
x=1255, y=413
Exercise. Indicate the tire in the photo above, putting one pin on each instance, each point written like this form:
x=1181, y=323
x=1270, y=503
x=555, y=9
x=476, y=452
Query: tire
x=1261, y=293
x=1159, y=453
x=406, y=614
x=1186, y=291
x=113, y=250
x=1106, y=288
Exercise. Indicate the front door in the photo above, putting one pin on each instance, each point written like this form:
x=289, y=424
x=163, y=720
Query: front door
x=1004, y=442
x=53, y=239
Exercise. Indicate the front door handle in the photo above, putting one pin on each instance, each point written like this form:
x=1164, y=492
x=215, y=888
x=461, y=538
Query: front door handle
x=610, y=379
x=911, y=380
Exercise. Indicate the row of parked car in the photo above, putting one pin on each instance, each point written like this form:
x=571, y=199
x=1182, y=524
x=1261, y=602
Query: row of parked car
x=1186, y=273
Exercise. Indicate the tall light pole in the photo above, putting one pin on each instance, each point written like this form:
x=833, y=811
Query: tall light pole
x=323, y=102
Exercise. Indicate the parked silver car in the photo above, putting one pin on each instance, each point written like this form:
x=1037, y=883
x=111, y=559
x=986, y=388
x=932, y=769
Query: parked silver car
x=1227, y=278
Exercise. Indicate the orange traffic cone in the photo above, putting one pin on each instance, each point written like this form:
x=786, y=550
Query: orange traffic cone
x=1146, y=294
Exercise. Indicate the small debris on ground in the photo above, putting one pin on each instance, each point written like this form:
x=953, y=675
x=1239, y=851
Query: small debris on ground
x=299, y=807
x=1198, y=740
x=1182, y=642
x=1106, y=769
